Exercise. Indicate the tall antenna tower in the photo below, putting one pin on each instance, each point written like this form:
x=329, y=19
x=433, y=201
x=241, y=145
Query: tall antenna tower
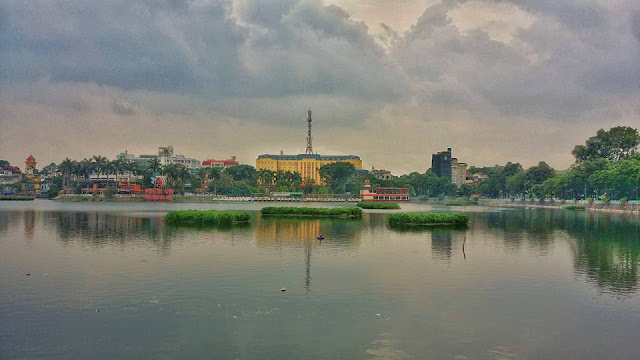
x=309, y=145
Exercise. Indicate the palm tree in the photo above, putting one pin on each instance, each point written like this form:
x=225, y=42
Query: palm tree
x=112, y=168
x=154, y=166
x=66, y=167
x=132, y=168
x=87, y=166
x=183, y=174
x=100, y=163
x=171, y=171
x=266, y=177
x=76, y=171
x=118, y=167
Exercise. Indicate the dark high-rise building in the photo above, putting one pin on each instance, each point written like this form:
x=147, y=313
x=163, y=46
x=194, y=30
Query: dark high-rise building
x=441, y=163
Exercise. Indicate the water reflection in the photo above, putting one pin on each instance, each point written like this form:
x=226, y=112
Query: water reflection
x=283, y=233
x=29, y=224
x=98, y=229
x=443, y=242
x=606, y=247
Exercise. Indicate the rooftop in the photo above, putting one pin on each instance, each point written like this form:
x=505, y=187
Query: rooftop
x=309, y=156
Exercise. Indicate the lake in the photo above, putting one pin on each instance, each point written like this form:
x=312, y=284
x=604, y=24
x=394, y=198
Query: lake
x=110, y=280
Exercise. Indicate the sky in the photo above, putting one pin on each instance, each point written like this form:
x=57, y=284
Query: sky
x=392, y=81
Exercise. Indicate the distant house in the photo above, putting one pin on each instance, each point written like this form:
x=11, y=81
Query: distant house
x=382, y=174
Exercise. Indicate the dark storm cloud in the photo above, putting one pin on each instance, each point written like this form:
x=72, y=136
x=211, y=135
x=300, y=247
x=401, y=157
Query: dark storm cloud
x=550, y=68
x=276, y=49
x=219, y=69
x=132, y=45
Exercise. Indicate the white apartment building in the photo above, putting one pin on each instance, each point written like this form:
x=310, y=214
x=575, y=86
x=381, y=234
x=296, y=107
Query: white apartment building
x=458, y=172
x=166, y=155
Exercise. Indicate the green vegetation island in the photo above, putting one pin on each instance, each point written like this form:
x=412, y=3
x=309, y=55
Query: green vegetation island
x=206, y=217
x=427, y=219
x=338, y=212
x=378, y=205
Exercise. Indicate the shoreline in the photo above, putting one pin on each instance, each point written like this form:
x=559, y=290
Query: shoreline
x=615, y=208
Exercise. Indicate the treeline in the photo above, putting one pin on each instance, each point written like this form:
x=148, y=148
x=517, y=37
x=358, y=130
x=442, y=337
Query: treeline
x=607, y=167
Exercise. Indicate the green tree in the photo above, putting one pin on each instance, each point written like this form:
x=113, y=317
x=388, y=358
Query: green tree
x=335, y=175
x=66, y=168
x=516, y=183
x=618, y=143
x=154, y=166
x=245, y=173
x=538, y=174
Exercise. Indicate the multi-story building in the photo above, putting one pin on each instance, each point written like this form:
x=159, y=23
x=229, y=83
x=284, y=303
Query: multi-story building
x=308, y=165
x=382, y=174
x=441, y=163
x=458, y=172
x=220, y=164
x=9, y=179
x=166, y=155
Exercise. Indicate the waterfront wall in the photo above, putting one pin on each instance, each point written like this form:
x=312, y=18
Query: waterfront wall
x=630, y=207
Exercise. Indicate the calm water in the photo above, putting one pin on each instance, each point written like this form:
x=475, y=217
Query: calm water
x=112, y=281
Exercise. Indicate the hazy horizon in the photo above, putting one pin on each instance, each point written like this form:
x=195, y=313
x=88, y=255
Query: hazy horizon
x=390, y=81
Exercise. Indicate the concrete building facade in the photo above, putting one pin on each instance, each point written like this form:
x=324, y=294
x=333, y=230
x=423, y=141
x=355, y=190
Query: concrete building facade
x=441, y=163
x=166, y=155
x=458, y=172
x=307, y=165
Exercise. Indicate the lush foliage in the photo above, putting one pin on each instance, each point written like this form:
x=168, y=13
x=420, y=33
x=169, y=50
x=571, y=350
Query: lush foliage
x=378, y=205
x=353, y=212
x=206, y=217
x=618, y=143
x=419, y=219
x=335, y=175
x=425, y=184
x=607, y=167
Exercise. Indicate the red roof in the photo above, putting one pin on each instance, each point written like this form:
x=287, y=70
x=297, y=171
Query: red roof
x=31, y=158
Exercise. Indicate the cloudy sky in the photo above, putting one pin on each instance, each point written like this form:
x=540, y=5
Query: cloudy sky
x=390, y=80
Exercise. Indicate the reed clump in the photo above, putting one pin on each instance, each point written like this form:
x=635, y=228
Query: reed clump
x=206, y=217
x=427, y=219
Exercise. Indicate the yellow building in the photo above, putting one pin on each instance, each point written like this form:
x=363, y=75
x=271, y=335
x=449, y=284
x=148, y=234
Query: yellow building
x=307, y=165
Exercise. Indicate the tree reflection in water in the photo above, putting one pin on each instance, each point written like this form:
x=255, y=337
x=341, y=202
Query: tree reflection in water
x=99, y=229
x=606, y=247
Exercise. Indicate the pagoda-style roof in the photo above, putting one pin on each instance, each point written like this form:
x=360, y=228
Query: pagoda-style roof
x=31, y=158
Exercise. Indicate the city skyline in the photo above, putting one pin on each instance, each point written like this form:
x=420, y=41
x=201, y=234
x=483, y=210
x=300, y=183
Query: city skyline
x=519, y=81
